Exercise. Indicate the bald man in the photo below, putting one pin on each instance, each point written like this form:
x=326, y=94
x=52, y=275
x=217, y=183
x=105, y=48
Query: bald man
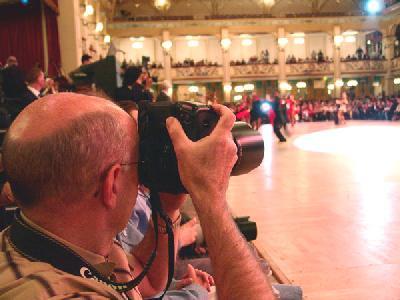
x=71, y=161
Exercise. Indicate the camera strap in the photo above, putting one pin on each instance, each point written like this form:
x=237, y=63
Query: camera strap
x=36, y=246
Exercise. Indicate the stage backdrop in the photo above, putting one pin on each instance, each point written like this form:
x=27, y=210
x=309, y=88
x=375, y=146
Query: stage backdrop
x=21, y=35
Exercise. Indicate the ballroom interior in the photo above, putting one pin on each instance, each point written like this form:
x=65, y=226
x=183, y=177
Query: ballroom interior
x=326, y=202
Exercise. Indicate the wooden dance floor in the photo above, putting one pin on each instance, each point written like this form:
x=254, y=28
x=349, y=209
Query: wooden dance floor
x=327, y=207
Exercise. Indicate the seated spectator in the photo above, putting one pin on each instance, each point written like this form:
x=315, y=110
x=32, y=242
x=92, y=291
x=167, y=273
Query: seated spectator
x=94, y=191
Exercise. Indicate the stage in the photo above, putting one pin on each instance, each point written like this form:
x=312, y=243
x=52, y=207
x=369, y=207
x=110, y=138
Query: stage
x=327, y=207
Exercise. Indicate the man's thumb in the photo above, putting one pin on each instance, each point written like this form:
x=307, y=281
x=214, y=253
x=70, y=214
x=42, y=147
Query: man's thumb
x=176, y=132
x=183, y=283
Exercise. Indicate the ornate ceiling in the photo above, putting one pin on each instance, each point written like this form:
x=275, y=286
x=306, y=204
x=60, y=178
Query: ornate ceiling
x=198, y=9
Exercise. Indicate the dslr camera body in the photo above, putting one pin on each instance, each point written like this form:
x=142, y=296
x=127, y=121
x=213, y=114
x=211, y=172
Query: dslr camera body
x=158, y=170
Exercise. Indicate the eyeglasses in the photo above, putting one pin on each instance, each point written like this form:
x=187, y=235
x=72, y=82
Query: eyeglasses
x=131, y=163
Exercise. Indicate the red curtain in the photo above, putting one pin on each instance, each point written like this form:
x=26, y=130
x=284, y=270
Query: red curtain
x=53, y=45
x=21, y=34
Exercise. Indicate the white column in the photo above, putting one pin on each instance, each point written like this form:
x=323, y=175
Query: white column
x=388, y=45
x=69, y=34
x=167, y=57
x=226, y=63
x=336, y=61
x=281, y=57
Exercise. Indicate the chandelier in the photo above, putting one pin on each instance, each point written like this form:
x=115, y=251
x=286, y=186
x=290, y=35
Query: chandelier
x=268, y=3
x=162, y=4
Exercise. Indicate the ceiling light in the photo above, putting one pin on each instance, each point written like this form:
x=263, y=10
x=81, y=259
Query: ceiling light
x=331, y=86
x=99, y=27
x=166, y=45
x=338, y=40
x=193, y=89
x=162, y=4
x=107, y=39
x=237, y=97
x=239, y=89
x=227, y=88
x=339, y=83
x=284, y=86
x=352, y=83
x=374, y=6
x=396, y=81
x=248, y=87
x=268, y=3
x=89, y=10
x=376, y=84
x=282, y=42
x=301, y=85
x=226, y=43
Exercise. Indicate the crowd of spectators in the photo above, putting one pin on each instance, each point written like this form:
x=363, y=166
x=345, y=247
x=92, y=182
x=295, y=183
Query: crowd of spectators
x=357, y=109
x=188, y=62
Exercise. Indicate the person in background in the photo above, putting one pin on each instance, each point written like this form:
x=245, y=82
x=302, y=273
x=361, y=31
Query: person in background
x=86, y=59
x=164, y=94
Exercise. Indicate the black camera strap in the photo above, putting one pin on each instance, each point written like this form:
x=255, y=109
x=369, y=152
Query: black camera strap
x=37, y=246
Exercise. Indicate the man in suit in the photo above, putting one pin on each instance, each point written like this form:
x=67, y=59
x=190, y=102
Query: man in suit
x=163, y=95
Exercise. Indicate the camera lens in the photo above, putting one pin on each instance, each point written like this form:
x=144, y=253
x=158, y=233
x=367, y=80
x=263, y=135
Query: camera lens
x=250, y=144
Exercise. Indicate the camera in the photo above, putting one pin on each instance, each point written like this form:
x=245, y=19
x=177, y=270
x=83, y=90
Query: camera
x=158, y=169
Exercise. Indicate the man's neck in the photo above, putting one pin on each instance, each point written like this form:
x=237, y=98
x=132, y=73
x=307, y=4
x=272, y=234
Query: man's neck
x=79, y=231
x=36, y=86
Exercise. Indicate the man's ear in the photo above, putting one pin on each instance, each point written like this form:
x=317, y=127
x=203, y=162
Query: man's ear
x=110, y=187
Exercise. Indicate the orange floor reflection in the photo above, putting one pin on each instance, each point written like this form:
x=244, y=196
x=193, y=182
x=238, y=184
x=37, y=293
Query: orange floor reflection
x=327, y=206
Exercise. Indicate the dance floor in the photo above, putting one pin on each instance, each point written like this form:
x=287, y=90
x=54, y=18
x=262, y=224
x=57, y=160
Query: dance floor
x=327, y=207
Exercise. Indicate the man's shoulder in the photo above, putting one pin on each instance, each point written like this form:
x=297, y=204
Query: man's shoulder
x=25, y=279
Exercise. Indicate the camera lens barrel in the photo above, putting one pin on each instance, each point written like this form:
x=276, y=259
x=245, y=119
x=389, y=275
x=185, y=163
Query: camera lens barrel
x=250, y=144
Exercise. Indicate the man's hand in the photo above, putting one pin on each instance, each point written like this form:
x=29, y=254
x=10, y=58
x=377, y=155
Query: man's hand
x=205, y=165
x=196, y=276
x=6, y=196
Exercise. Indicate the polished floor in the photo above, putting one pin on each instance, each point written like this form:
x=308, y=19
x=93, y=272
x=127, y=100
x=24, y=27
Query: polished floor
x=327, y=207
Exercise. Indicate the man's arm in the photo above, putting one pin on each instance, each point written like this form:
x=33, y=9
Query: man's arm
x=205, y=168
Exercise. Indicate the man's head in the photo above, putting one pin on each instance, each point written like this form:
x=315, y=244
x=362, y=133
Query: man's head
x=86, y=59
x=35, y=78
x=12, y=61
x=66, y=149
x=131, y=75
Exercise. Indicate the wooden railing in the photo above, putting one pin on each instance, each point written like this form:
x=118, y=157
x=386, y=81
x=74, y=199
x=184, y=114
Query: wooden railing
x=254, y=70
x=396, y=64
x=311, y=68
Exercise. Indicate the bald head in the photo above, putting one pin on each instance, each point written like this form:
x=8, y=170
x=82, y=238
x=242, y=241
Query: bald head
x=61, y=144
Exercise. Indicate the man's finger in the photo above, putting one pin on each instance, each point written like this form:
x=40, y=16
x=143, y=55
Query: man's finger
x=176, y=133
x=226, y=117
x=183, y=283
x=192, y=222
x=191, y=271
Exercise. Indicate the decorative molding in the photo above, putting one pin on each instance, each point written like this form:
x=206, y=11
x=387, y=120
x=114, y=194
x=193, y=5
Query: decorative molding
x=312, y=68
x=255, y=70
x=197, y=72
x=363, y=66
x=396, y=64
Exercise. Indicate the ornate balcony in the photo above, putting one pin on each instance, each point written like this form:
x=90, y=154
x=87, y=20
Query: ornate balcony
x=198, y=72
x=363, y=66
x=396, y=64
x=311, y=68
x=254, y=70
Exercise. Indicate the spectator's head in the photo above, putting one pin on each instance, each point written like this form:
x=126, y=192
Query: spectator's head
x=12, y=61
x=68, y=154
x=35, y=78
x=165, y=86
x=86, y=59
x=131, y=75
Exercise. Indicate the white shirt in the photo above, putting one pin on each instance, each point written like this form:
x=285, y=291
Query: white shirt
x=34, y=91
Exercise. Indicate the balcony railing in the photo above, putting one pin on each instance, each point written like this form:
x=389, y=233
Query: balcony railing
x=255, y=70
x=198, y=72
x=311, y=68
x=363, y=66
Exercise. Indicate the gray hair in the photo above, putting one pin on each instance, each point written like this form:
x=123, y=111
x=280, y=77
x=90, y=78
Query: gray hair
x=68, y=163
